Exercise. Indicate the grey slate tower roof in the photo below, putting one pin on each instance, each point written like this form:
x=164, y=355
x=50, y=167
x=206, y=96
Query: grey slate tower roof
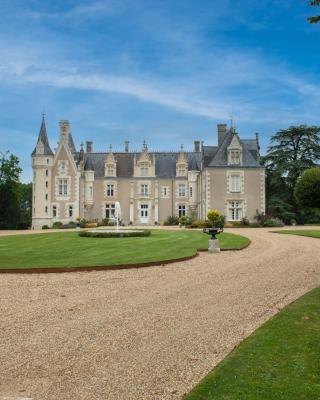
x=43, y=138
x=72, y=147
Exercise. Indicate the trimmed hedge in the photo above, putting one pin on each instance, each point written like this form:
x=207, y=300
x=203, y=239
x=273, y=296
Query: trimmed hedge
x=115, y=234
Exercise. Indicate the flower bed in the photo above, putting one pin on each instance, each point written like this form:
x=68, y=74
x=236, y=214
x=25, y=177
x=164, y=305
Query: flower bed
x=115, y=234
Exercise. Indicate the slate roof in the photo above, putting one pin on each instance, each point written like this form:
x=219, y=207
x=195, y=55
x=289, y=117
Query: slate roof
x=165, y=163
x=214, y=156
x=72, y=147
x=43, y=138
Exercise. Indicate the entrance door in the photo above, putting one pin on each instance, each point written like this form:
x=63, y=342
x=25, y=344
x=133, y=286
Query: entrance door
x=144, y=213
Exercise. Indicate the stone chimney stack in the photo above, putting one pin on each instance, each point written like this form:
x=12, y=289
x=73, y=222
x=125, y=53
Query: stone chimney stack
x=64, y=129
x=197, y=146
x=126, y=146
x=222, y=131
x=89, y=147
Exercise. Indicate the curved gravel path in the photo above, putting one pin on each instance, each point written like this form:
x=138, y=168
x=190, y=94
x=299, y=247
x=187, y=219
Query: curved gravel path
x=149, y=333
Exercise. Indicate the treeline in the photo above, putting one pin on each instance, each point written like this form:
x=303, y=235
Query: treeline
x=292, y=181
x=15, y=197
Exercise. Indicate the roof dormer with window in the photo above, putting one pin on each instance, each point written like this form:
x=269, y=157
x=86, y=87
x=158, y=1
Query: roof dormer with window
x=235, y=151
x=182, y=164
x=110, y=164
x=144, y=166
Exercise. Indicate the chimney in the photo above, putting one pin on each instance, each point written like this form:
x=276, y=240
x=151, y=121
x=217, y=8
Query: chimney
x=222, y=131
x=89, y=146
x=197, y=146
x=64, y=129
x=126, y=146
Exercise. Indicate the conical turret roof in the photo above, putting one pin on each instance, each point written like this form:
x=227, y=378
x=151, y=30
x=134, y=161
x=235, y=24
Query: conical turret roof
x=43, y=139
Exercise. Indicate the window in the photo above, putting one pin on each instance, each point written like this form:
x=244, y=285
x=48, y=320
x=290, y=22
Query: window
x=46, y=209
x=144, y=210
x=63, y=167
x=182, y=190
x=110, y=190
x=181, y=170
x=47, y=184
x=110, y=170
x=54, y=211
x=144, y=169
x=144, y=190
x=234, y=156
x=63, y=187
x=47, y=172
x=34, y=175
x=235, y=210
x=46, y=196
x=47, y=160
x=190, y=191
x=165, y=191
x=181, y=210
x=110, y=210
x=235, y=183
x=70, y=211
x=91, y=191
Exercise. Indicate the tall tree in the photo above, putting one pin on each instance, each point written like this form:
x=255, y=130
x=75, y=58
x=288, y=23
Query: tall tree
x=307, y=189
x=9, y=191
x=25, y=200
x=292, y=151
x=314, y=3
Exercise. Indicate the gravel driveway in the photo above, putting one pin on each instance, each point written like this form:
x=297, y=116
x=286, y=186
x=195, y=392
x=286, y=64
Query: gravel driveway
x=149, y=333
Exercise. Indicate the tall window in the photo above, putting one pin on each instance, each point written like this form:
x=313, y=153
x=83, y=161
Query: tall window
x=91, y=191
x=110, y=210
x=181, y=170
x=46, y=196
x=110, y=170
x=235, y=183
x=144, y=169
x=110, y=190
x=235, y=210
x=47, y=184
x=144, y=190
x=54, y=211
x=47, y=172
x=165, y=191
x=181, y=210
x=46, y=209
x=235, y=157
x=182, y=190
x=63, y=167
x=191, y=191
x=63, y=187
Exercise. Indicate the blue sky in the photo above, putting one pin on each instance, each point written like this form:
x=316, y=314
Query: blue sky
x=165, y=71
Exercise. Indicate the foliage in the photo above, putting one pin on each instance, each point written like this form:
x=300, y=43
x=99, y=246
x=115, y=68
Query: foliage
x=90, y=225
x=244, y=221
x=292, y=151
x=200, y=224
x=185, y=220
x=115, y=234
x=10, y=193
x=171, y=220
x=280, y=360
x=67, y=249
x=45, y=227
x=273, y=222
x=216, y=219
x=314, y=3
x=25, y=201
x=307, y=189
x=57, y=225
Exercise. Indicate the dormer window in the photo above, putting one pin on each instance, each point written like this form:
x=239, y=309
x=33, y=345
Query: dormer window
x=235, y=157
x=110, y=170
x=181, y=170
x=144, y=169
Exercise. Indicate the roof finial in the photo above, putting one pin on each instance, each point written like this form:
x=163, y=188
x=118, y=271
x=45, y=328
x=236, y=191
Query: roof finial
x=181, y=147
x=110, y=148
x=232, y=122
x=145, y=148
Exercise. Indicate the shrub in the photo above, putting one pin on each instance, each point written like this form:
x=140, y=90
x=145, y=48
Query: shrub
x=45, y=227
x=115, y=234
x=255, y=225
x=91, y=225
x=171, y=220
x=244, y=221
x=216, y=219
x=307, y=189
x=104, y=222
x=273, y=222
x=57, y=224
x=185, y=220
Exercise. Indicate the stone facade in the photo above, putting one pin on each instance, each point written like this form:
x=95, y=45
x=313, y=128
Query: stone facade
x=150, y=186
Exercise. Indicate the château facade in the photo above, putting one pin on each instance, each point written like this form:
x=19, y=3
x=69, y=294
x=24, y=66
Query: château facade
x=150, y=186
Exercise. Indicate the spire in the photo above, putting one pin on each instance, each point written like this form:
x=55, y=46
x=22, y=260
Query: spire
x=42, y=147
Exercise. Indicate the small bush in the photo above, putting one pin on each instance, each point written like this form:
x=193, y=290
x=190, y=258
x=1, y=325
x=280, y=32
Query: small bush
x=45, y=227
x=244, y=221
x=171, y=220
x=216, y=219
x=198, y=224
x=115, y=234
x=91, y=225
x=273, y=222
x=57, y=224
x=255, y=225
x=184, y=220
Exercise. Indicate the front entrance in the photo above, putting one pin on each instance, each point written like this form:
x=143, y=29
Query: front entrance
x=144, y=213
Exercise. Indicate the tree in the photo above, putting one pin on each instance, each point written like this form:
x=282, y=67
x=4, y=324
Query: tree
x=292, y=151
x=25, y=201
x=307, y=189
x=9, y=191
x=314, y=3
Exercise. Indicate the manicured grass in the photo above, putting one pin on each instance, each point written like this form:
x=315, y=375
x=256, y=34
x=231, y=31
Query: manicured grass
x=280, y=361
x=67, y=249
x=310, y=233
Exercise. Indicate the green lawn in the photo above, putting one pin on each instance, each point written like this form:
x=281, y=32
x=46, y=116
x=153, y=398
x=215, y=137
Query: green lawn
x=67, y=249
x=280, y=361
x=310, y=233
